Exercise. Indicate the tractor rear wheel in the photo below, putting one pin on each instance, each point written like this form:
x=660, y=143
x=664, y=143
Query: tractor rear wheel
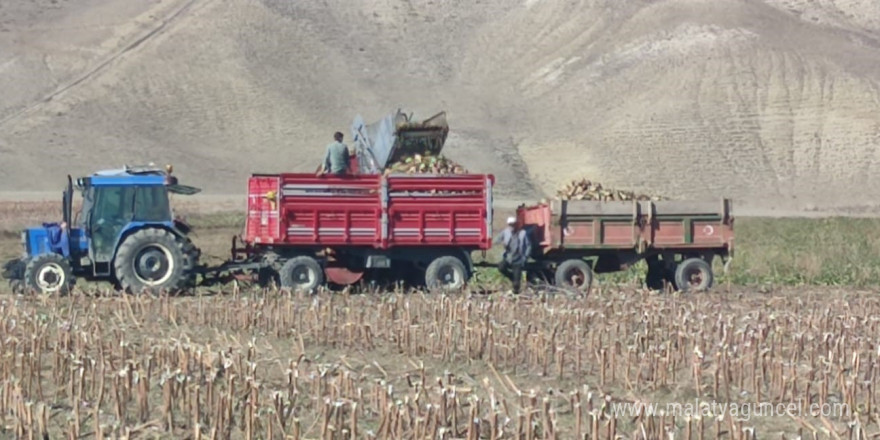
x=574, y=273
x=446, y=273
x=301, y=274
x=151, y=260
x=48, y=273
x=694, y=274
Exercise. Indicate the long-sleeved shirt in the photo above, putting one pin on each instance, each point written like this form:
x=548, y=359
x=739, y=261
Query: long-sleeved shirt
x=336, y=158
x=517, y=248
x=503, y=237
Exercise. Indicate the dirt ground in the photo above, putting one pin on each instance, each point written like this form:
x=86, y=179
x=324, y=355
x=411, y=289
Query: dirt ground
x=771, y=101
x=256, y=364
x=240, y=362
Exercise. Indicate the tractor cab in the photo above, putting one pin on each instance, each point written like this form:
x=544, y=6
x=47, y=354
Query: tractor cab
x=116, y=206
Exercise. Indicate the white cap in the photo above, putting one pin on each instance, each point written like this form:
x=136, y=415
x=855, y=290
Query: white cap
x=511, y=220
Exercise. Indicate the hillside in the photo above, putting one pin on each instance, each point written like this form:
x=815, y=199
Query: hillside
x=774, y=101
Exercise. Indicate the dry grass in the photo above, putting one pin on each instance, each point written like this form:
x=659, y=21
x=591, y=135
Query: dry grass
x=269, y=365
x=17, y=215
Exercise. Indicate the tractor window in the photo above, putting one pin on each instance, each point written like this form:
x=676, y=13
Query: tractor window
x=151, y=204
x=113, y=203
x=85, y=211
x=111, y=213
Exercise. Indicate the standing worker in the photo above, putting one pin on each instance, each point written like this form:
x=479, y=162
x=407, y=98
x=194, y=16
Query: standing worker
x=517, y=248
x=336, y=158
x=503, y=237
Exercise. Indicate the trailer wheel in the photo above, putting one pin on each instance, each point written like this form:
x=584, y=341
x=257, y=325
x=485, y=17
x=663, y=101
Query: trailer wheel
x=301, y=274
x=48, y=273
x=151, y=260
x=574, y=273
x=694, y=274
x=446, y=273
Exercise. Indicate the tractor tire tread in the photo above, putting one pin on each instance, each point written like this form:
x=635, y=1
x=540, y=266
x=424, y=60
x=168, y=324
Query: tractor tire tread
x=123, y=264
x=32, y=266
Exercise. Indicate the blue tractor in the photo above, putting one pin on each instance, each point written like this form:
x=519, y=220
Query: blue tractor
x=124, y=232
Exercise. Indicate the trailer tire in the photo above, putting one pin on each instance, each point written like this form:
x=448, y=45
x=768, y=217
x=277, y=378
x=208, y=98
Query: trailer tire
x=48, y=274
x=694, y=274
x=577, y=269
x=151, y=260
x=301, y=274
x=446, y=273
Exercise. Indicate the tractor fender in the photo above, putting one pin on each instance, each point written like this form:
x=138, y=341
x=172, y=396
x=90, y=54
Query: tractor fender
x=190, y=250
x=133, y=227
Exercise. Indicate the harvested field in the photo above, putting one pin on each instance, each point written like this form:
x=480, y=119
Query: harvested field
x=265, y=364
x=238, y=363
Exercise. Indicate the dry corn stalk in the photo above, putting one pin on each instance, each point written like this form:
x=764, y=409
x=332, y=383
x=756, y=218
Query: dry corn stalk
x=256, y=365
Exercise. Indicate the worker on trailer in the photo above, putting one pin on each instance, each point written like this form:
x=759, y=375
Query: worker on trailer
x=336, y=157
x=517, y=248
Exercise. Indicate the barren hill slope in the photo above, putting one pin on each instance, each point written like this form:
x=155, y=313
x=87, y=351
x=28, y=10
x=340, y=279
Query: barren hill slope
x=773, y=100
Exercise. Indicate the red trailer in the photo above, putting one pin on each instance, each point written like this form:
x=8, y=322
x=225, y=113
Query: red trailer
x=310, y=229
x=678, y=239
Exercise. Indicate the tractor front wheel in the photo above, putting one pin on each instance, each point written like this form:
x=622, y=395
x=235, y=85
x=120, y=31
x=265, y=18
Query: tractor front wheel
x=48, y=273
x=151, y=260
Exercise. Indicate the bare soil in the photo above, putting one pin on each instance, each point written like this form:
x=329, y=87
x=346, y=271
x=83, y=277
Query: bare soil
x=255, y=364
x=768, y=101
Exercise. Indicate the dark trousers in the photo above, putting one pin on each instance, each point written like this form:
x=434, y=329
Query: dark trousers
x=513, y=272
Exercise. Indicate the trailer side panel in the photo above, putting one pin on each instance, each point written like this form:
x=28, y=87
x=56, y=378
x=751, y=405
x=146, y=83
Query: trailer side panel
x=370, y=210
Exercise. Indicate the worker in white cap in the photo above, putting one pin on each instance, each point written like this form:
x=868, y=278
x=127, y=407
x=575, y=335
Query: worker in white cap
x=505, y=235
x=517, y=248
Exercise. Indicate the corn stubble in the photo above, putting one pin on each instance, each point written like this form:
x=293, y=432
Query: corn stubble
x=263, y=367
